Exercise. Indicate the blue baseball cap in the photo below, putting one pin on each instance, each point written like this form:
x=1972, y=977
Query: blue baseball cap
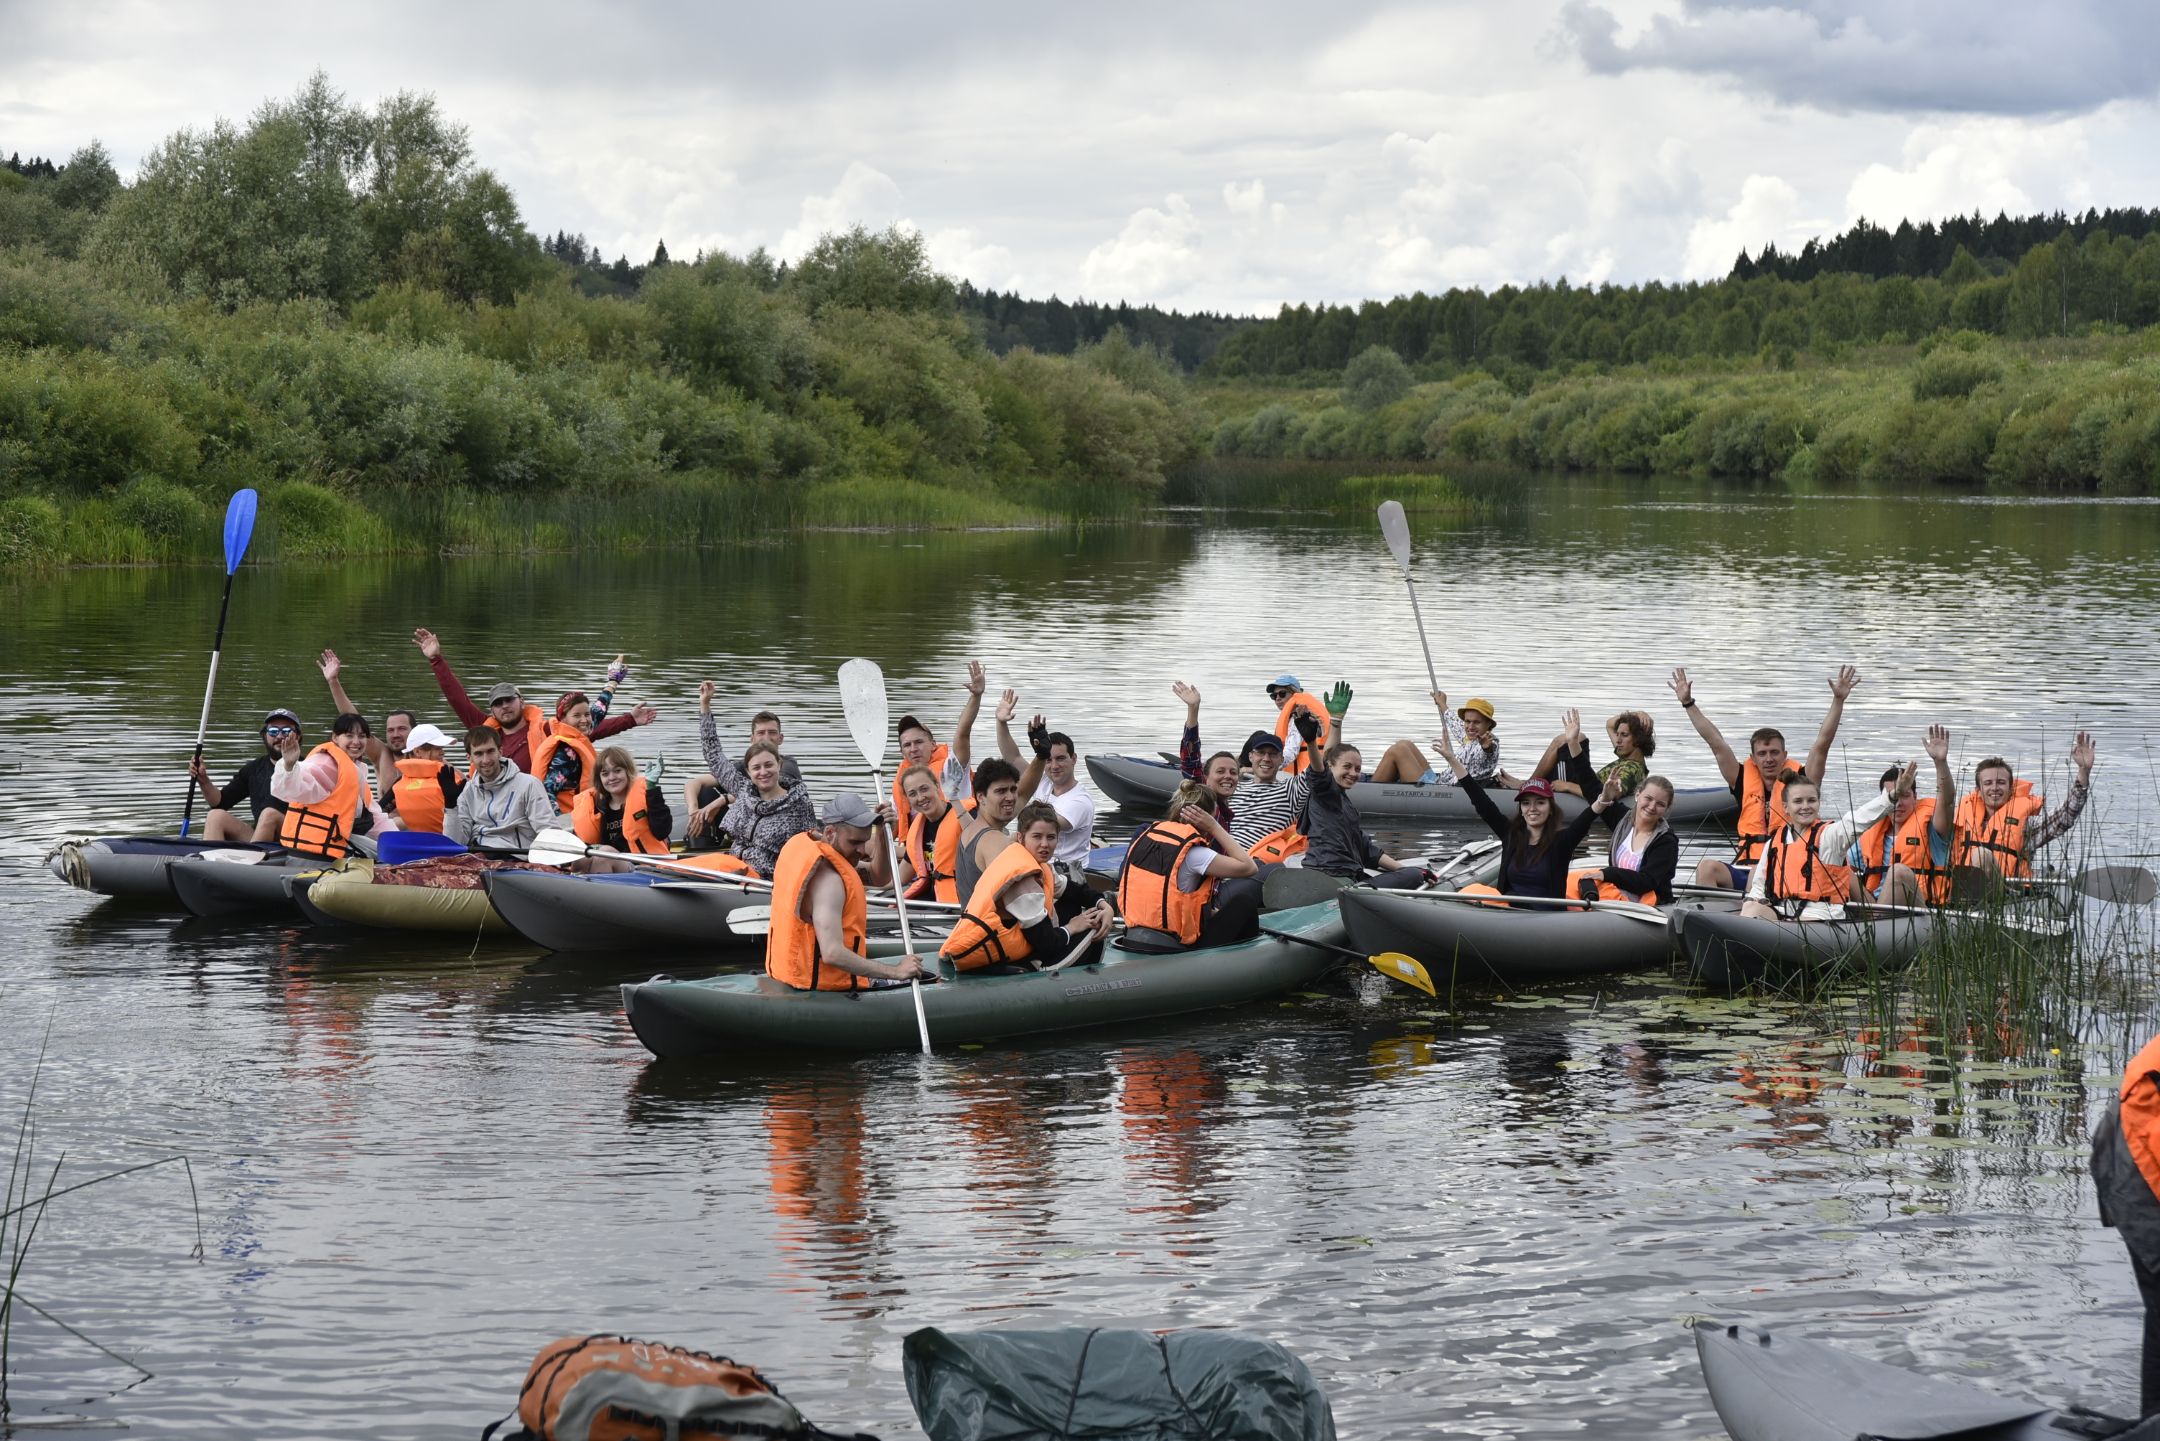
x=1285, y=679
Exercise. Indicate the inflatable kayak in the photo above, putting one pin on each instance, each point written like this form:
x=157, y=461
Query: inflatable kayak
x=1729, y=952
x=1780, y=1388
x=726, y=1014
x=1144, y=784
x=133, y=867
x=351, y=894
x=1510, y=945
x=565, y=912
x=227, y=883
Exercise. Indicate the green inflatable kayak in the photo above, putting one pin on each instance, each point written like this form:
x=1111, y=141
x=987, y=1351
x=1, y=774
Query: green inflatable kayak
x=726, y=1014
x=350, y=894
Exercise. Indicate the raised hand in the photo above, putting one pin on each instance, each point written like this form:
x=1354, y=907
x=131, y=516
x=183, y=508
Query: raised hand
x=1937, y=744
x=1841, y=684
x=1308, y=724
x=2082, y=752
x=618, y=672
x=330, y=666
x=1571, y=728
x=429, y=646
x=1683, y=691
x=1905, y=778
x=1613, y=790
x=1039, y=735
x=976, y=679
x=1186, y=692
x=1337, y=700
x=704, y=697
x=1008, y=706
x=643, y=714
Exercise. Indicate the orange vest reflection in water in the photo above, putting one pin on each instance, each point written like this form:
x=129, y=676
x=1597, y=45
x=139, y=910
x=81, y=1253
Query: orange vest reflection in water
x=815, y=1130
x=1175, y=1107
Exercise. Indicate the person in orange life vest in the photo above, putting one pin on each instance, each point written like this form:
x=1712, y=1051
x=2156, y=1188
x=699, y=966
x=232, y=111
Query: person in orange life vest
x=932, y=846
x=1469, y=733
x=818, y=927
x=996, y=786
x=2126, y=1174
x=919, y=748
x=327, y=798
x=1187, y=881
x=1755, y=782
x=563, y=759
x=1803, y=873
x=706, y=801
x=1644, y=854
x=1259, y=798
x=523, y=726
x=423, y=788
x=1904, y=859
x=1996, y=831
x=1011, y=920
x=251, y=784
x=384, y=751
x=619, y=813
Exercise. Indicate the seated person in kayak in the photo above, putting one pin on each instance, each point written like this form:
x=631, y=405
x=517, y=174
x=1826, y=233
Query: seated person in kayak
x=1259, y=798
x=327, y=797
x=522, y=726
x=1903, y=859
x=1996, y=832
x=930, y=851
x=618, y=811
x=764, y=811
x=1644, y=853
x=426, y=788
x=1186, y=883
x=1634, y=741
x=1756, y=782
x=820, y=928
x=1335, y=839
x=250, y=784
x=1535, y=844
x=1292, y=700
x=500, y=808
x=996, y=787
x=1802, y=875
x=705, y=801
x=950, y=763
x=1011, y=920
x=1469, y=732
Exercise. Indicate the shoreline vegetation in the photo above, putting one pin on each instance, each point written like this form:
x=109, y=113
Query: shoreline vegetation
x=338, y=306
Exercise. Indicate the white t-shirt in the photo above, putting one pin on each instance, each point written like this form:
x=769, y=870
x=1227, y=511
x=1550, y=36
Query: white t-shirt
x=1192, y=871
x=1076, y=818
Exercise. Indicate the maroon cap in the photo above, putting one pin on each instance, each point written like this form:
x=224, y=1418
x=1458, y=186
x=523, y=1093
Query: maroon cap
x=1535, y=788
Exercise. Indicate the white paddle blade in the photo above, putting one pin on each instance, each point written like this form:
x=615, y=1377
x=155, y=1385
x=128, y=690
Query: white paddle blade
x=750, y=921
x=862, y=699
x=1395, y=530
x=555, y=847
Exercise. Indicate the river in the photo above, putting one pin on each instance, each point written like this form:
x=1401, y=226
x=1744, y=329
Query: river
x=417, y=1162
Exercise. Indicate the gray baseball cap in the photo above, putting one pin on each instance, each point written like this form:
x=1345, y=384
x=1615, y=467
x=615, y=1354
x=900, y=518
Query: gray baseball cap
x=505, y=691
x=849, y=809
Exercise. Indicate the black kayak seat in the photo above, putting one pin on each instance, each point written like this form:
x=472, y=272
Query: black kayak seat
x=1147, y=941
x=1782, y=1388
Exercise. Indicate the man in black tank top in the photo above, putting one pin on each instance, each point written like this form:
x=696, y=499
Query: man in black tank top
x=982, y=834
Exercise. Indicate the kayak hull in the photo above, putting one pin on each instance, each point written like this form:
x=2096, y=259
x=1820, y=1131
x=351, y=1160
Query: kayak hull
x=564, y=912
x=221, y=890
x=1775, y=1387
x=726, y=1014
x=1725, y=951
x=132, y=868
x=1143, y=784
x=1474, y=945
x=348, y=895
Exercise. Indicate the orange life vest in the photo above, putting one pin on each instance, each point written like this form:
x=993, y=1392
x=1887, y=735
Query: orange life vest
x=986, y=935
x=1761, y=815
x=2139, y=1116
x=1294, y=750
x=1606, y=890
x=902, y=813
x=1912, y=847
x=1278, y=845
x=536, y=729
x=556, y=736
x=721, y=861
x=418, y=791
x=325, y=828
x=1147, y=888
x=1797, y=870
x=637, y=835
x=791, y=946
x=938, y=870
x=2002, y=833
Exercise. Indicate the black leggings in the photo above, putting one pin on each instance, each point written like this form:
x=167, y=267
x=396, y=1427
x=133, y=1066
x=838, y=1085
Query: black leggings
x=1408, y=878
x=1233, y=915
x=2148, y=1284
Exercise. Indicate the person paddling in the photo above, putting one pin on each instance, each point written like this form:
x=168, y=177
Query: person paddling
x=1996, y=832
x=620, y=812
x=1904, y=858
x=425, y=788
x=250, y=784
x=1644, y=854
x=1535, y=844
x=1334, y=832
x=1470, y=732
x=1011, y=920
x=1803, y=874
x=500, y=807
x=1186, y=883
x=820, y=928
x=764, y=811
x=1756, y=783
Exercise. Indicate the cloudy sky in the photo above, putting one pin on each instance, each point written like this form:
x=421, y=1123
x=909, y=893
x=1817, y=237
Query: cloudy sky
x=1196, y=154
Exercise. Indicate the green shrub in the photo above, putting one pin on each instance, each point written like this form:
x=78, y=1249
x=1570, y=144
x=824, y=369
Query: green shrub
x=30, y=531
x=162, y=511
x=1953, y=374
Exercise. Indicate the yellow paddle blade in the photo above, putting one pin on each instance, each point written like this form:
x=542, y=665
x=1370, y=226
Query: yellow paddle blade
x=1402, y=968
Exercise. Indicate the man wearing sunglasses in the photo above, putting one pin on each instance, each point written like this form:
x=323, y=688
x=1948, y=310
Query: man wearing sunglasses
x=251, y=783
x=1291, y=698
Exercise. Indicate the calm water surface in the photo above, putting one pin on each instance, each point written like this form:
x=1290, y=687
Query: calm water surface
x=417, y=1162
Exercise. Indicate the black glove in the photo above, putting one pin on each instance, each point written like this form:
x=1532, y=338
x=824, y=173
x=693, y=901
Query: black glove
x=1307, y=724
x=1039, y=737
x=1586, y=889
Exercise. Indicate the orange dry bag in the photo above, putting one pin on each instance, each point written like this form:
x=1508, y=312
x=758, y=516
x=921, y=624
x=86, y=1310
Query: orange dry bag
x=611, y=1388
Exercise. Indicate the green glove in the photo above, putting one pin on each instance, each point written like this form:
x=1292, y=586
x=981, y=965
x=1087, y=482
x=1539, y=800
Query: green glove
x=1338, y=699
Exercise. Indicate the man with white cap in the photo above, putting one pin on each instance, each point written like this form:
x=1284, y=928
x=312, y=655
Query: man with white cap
x=819, y=933
x=426, y=788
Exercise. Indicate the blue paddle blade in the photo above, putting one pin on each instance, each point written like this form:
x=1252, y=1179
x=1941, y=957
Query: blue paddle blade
x=394, y=848
x=239, y=527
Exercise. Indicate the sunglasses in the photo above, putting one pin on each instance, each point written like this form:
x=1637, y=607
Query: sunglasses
x=1280, y=692
x=279, y=731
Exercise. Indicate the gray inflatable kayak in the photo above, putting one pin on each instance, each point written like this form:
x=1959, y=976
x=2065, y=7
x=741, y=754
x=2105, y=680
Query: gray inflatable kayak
x=1781, y=1388
x=726, y=1014
x=621, y=913
x=1143, y=783
x=1476, y=944
x=1726, y=951
x=133, y=867
x=220, y=889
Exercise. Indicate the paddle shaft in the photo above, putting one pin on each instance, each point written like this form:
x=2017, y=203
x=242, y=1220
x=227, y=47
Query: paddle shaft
x=1419, y=616
x=202, y=726
x=907, y=939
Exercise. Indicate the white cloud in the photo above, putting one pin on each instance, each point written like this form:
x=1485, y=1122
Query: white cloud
x=865, y=196
x=1768, y=210
x=964, y=255
x=1245, y=201
x=1983, y=165
x=1156, y=254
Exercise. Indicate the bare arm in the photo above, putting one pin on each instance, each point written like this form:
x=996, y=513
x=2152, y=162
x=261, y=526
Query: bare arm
x=963, y=735
x=1008, y=706
x=1231, y=859
x=1944, y=821
x=333, y=672
x=1728, y=764
x=827, y=894
x=1818, y=756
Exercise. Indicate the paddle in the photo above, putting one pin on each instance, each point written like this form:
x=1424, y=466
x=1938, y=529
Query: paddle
x=1634, y=910
x=558, y=847
x=1395, y=530
x=862, y=698
x=1404, y=968
x=239, y=528
x=2116, y=885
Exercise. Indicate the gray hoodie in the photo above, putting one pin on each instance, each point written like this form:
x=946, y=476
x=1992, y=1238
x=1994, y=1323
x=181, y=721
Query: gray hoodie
x=502, y=814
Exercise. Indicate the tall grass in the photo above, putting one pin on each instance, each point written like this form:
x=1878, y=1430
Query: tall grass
x=1240, y=484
